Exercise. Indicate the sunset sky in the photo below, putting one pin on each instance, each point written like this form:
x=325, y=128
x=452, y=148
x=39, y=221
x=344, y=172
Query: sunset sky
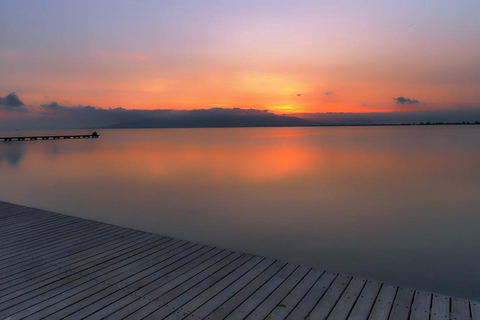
x=284, y=56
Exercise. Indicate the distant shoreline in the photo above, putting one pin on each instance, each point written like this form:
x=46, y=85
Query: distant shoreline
x=306, y=125
x=265, y=126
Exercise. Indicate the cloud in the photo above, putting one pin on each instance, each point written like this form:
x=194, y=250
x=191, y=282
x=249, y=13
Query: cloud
x=12, y=103
x=328, y=93
x=403, y=100
x=52, y=106
x=55, y=115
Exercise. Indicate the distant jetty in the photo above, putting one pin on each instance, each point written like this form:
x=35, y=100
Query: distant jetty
x=94, y=135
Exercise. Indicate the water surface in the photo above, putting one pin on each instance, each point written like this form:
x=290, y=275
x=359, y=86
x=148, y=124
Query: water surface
x=396, y=204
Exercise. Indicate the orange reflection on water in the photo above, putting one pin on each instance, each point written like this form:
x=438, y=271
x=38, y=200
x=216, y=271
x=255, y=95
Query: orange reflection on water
x=246, y=163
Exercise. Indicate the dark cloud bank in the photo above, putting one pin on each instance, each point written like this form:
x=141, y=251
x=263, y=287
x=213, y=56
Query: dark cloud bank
x=12, y=103
x=403, y=100
x=55, y=116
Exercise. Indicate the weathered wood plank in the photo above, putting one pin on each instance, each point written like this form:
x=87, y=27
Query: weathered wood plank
x=402, y=304
x=311, y=299
x=227, y=307
x=421, y=306
x=290, y=302
x=440, y=307
x=205, y=303
x=274, y=299
x=262, y=293
x=460, y=309
x=347, y=300
x=182, y=297
x=365, y=301
x=162, y=279
x=69, y=247
x=144, y=307
x=475, y=310
x=384, y=302
x=326, y=304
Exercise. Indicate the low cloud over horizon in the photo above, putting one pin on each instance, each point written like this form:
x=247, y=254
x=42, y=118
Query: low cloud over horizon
x=403, y=100
x=12, y=103
x=56, y=116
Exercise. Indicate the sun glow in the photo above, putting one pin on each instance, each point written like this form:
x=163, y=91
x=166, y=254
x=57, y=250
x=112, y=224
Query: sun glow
x=285, y=109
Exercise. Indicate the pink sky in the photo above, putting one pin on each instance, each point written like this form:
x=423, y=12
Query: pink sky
x=285, y=56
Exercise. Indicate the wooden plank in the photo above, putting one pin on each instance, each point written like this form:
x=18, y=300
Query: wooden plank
x=55, y=301
x=306, y=305
x=177, y=297
x=326, y=304
x=13, y=216
x=140, y=280
x=52, y=231
x=109, y=264
x=143, y=267
x=227, y=307
x=23, y=301
x=290, y=302
x=20, y=236
x=384, y=302
x=122, y=247
x=121, y=303
x=262, y=293
x=30, y=269
x=347, y=300
x=60, y=237
x=274, y=299
x=142, y=308
x=64, y=304
x=78, y=246
x=23, y=236
x=100, y=301
x=92, y=245
x=402, y=304
x=421, y=306
x=43, y=272
x=14, y=231
x=13, y=213
x=182, y=273
x=40, y=284
x=475, y=310
x=23, y=284
x=460, y=309
x=440, y=307
x=73, y=310
x=73, y=245
x=107, y=249
x=202, y=305
x=365, y=301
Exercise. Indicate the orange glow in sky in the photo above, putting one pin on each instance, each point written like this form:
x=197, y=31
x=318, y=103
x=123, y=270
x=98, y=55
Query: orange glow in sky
x=286, y=57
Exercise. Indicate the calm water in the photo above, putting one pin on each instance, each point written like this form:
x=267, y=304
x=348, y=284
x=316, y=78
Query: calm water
x=397, y=204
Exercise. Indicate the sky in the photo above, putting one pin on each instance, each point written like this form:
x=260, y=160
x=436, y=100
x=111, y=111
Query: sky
x=302, y=56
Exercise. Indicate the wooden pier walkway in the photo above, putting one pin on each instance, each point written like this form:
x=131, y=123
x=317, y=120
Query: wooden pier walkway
x=50, y=137
x=54, y=266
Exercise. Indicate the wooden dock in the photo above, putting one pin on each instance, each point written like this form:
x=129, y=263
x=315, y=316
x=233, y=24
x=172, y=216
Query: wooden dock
x=54, y=266
x=50, y=137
